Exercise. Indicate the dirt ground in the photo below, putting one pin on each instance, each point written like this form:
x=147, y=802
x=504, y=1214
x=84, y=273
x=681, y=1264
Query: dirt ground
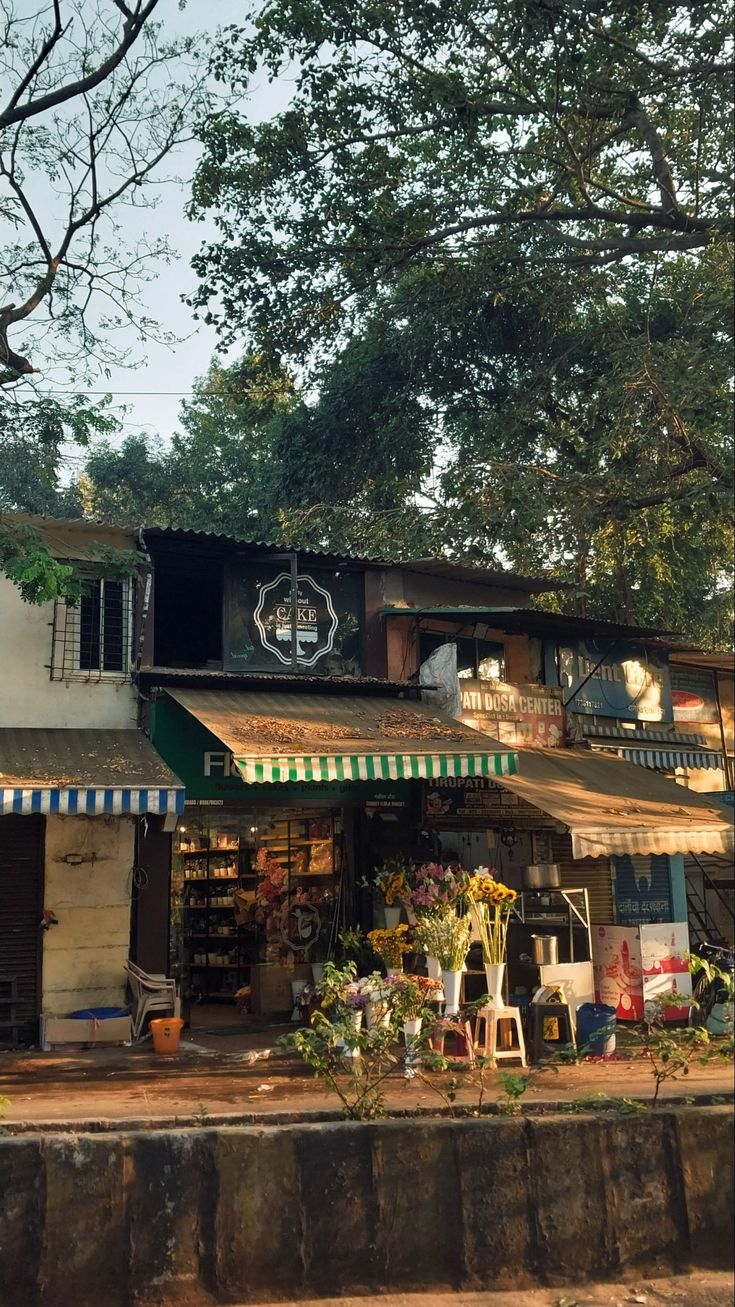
x=226, y=1076
x=699, y=1289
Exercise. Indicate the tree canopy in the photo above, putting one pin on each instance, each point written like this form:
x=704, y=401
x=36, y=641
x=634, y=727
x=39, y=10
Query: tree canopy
x=532, y=135
x=493, y=241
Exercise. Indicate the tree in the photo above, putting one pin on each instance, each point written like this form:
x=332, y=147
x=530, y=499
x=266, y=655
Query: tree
x=533, y=134
x=219, y=473
x=495, y=239
x=33, y=433
x=95, y=100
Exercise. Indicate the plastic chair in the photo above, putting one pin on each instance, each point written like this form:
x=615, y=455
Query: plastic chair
x=151, y=993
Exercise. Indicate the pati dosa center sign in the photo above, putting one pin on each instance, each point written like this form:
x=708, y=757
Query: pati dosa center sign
x=517, y=714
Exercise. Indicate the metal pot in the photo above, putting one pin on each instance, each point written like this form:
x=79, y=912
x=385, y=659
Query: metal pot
x=542, y=875
x=545, y=950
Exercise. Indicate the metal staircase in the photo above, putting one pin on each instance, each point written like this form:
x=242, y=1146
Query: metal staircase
x=700, y=887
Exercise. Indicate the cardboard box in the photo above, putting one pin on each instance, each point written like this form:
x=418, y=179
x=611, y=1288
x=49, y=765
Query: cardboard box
x=64, y=1030
x=271, y=986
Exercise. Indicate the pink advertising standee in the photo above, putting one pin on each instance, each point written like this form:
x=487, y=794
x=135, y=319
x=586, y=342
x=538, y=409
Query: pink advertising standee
x=637, y=964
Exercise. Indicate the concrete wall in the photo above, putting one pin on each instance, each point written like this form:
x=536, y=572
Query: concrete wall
x=252, y=1214
x=28, y=697
x=83, y=956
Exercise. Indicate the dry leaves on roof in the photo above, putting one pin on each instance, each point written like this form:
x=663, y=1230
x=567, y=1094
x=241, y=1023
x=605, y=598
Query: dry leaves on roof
x=404, y=722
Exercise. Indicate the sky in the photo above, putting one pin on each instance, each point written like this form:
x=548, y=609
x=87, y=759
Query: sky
x=163, y=375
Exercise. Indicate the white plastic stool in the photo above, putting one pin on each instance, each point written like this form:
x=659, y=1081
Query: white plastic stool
x=492, y=1016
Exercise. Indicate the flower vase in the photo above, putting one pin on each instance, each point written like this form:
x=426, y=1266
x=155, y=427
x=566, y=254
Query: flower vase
x=394, y=971
x=377, y=1013
x=411, y=1028
x=434, y=972
x=355, y=1019
x=392, y=917
x=410, y=915
x=452, y=982
x=317, y=972
x=494, y=977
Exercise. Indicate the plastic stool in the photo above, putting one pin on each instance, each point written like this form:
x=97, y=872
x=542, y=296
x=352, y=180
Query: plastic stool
x=543, y=1012
x=492, y=1017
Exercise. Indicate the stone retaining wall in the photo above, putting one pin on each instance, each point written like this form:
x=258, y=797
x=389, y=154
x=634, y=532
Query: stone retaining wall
x=252, y=1213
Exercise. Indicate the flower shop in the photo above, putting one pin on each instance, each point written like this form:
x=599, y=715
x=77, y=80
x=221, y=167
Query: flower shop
x=274, y=862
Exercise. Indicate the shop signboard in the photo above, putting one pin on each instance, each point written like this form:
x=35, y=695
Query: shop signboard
x=514, y=714
x=448, y=798
x=627, y=681
x=693, y=695
x=642, y=889
x=270, y=625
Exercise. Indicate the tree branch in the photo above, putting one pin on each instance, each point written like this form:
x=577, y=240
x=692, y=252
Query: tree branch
x=135, y=20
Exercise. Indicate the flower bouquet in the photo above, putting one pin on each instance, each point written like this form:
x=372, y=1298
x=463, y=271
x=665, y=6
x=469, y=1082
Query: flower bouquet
x=409, y=996
x=490, y=903
x=271, y=892
x=390, y=946
x=393, y=880
x=447, y=937
x=435, y=889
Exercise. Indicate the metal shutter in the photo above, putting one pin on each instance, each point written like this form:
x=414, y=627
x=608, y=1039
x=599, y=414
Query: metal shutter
x=592, y=874
x=21, y=906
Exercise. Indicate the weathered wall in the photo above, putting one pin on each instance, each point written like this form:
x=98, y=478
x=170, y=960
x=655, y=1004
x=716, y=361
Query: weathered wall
x=28, y=697
x=83, y=956
x=249, y=1214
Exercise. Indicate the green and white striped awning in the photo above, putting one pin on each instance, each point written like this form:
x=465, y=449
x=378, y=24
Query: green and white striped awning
x=374, y=766
x=286, y=737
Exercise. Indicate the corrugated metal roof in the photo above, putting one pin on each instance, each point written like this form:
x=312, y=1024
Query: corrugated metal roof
x=292, y=681
x=447, y=567
x=75, y=538
x=261, y=725
x=543, y=620
x=35, y=758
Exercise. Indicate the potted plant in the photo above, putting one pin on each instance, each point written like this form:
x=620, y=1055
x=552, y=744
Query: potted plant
x=390, y=946
x=490, y=903
x=393, y=880
x=447, y=937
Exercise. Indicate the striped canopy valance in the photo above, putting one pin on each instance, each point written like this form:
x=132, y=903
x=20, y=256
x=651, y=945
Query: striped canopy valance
x=375, y=766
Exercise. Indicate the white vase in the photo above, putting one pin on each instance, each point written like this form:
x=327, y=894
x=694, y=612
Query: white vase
x=355, y=1019
x=452, y=982
x=494, y=977
x=410, y=914
x=392, y=917
x=394, y=971
x=433, y=969
x=317, y=971
x=411, y=1028
x=377, y=1013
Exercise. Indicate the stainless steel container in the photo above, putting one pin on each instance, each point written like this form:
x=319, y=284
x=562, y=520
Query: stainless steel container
x=541, y=875
x=545, y=950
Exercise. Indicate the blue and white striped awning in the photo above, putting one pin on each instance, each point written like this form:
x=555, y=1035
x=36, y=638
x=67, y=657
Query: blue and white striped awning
x=669, y=759
x=91, y=802
x=90, y=773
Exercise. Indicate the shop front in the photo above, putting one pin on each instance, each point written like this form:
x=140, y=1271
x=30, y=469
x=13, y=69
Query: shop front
x=292, y=800
x=587, y=841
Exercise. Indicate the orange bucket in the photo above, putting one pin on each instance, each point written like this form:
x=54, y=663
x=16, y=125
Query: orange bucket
x=166, y=1033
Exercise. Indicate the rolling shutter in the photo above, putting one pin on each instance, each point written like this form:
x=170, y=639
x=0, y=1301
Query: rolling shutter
x=592, y=874
x=21, y=906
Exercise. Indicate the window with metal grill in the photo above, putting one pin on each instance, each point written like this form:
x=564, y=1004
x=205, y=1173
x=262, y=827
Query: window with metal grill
x=91, y=639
